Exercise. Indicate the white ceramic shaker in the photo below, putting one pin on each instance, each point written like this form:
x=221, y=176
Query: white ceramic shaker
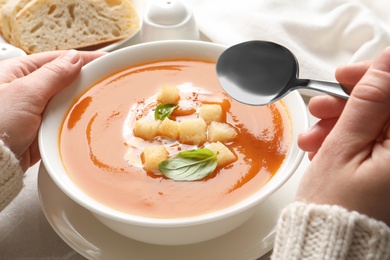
x=168, y=20
x=9, y=51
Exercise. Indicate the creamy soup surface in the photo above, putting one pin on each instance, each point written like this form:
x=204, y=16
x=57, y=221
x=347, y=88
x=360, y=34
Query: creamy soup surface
x=102, y=155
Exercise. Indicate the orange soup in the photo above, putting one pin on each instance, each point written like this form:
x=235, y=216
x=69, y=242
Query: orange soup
x=104, y=158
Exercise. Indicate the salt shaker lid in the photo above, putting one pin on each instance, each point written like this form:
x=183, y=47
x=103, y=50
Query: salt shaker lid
x=167, y=12
x=168, y=20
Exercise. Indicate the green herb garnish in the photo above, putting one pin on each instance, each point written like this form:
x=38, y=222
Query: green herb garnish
x=164, y=110
x=189, y=165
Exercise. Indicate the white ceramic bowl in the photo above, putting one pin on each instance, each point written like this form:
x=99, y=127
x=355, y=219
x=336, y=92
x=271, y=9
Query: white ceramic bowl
x=159, y=231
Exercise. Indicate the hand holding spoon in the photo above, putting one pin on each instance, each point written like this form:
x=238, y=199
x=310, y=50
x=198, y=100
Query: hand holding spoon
x=260, y=73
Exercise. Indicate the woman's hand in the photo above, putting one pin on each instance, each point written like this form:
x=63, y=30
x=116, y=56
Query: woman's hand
x=26, y=85
x=351, y=143
x=328, y=108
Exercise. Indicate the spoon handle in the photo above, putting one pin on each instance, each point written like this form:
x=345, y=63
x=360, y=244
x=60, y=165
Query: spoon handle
x=331, y=88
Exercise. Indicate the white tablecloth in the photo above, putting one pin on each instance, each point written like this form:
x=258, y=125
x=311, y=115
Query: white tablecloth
x=322, y=34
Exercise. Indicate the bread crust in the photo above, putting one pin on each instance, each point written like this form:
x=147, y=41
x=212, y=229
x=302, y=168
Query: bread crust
x=2, y=3
x=8, y=13
x=45, y=25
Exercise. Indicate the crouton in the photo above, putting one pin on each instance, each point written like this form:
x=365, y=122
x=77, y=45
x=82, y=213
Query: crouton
x=153, y=155
x=211, y=112
x=146, y=128
x=169, y=129
x=168, y=95
x=193, y=131
x=221, y=132
x=225, y=156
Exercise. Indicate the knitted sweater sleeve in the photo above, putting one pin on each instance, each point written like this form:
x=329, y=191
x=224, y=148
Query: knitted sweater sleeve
x=309, y=231
x=11, y=176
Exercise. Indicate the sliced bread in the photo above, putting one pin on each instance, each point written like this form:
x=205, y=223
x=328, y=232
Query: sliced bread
x=44, y=25
x=9, y=10
x=2, y=3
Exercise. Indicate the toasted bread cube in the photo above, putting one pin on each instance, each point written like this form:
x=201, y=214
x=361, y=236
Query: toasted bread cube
x=168, y=95
x=225, y=156
x=169, y=128
x=153, y=155
x=146, y=128
x=211, y=112
x=221, y=132
x=193, y=131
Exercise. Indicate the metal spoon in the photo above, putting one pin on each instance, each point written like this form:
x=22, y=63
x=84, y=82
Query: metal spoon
x=260, y=73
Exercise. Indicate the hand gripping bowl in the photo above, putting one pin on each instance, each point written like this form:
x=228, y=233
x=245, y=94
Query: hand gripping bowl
x=175, y=231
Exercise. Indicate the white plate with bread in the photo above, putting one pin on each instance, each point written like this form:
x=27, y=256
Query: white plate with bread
x=45, y=25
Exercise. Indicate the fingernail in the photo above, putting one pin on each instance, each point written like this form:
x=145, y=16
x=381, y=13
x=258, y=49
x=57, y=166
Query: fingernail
x=72, y=56
x=382, y=62
x=340, y=67
x=307, y=131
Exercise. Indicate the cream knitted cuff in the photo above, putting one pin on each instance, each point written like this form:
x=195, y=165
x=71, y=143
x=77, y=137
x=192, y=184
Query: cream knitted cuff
x=309, y=231
x=11, y=176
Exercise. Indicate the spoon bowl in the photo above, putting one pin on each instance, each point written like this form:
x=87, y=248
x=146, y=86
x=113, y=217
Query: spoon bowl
x=261, y=72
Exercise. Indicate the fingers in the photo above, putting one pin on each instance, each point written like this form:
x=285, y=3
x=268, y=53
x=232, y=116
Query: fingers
x=57, y=74
x=367, y=112
x=63, y=69
x=51, y=77
x=15, y=68
x=326, y=106
x=349, y=75
x=312, y=139
x=28, y=84
x=311, y=155
x=39, y=86
x=88, y=56
x=30, y=156
x=327, y=109
x=39, y=59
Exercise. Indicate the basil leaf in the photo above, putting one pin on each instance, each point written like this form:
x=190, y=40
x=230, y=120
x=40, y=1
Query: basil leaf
x=197, y=154
x=163, y=111
x=189, y=165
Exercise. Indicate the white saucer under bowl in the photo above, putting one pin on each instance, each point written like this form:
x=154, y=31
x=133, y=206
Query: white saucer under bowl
x=89, y=237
